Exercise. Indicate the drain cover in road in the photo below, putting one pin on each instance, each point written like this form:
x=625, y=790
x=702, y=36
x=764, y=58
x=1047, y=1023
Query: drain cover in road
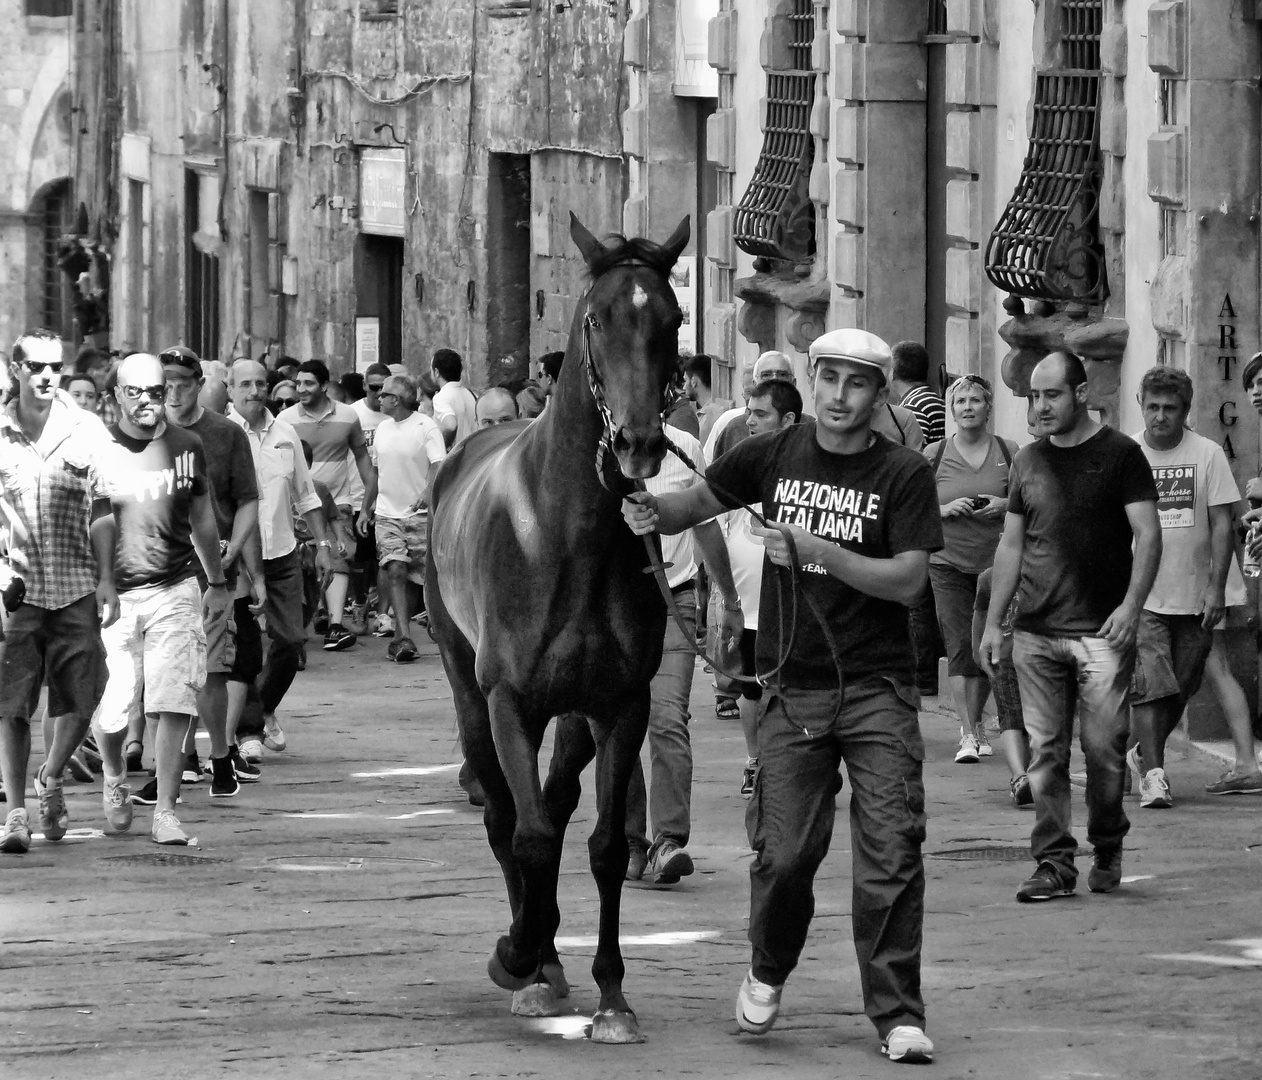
x=163, y=858
x=340, y=863
x=992, y=853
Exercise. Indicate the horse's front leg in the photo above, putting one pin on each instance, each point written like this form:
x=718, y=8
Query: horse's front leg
x=536, y=845
x=619, y=737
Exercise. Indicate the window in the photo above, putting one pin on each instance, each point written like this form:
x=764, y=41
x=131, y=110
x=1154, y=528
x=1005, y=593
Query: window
x=775, y=218
x=202, y=245
x=1046, y=245
x=56, y=219
x=49, y=9
x=262, y=326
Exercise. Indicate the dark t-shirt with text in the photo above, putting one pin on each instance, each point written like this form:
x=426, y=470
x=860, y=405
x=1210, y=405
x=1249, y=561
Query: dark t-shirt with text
x=229, y=467
x=879, y=502
x=1076, y=563
x=151, y=485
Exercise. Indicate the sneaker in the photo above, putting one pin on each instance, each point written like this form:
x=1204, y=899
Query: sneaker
x=402, y=651
x=134, y=754
x=223, y=780
x=16, y=837
x=757, y=1005
x=1106, y=870
x=79, y=769
x=383, y=627
x=1021, y=793
x=355, y=620
x=147, y=795
x=1046, y=883
x=749, y=777
x=1154, y=790
x=984, y=749
x=321, y=623
x=669, y=863
x=1234, y=783
x=637, y=860
x=968, y=752
x=54, y=819
x=1135, y=767
x=273, y=737
x=907, y=1044
x=338, y=638
x=166, y=828
x=251, y=748
x=192, y=769
x=117, y=799
x=246, y=771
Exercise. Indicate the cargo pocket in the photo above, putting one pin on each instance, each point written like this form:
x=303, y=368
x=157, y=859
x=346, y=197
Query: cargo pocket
x=914, y=799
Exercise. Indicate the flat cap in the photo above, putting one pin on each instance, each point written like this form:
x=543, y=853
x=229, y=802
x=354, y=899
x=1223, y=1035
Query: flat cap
x=857, y=346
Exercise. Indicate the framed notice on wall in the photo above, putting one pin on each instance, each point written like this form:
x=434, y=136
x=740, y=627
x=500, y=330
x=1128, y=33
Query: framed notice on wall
x=367, y=342
x=683, y=279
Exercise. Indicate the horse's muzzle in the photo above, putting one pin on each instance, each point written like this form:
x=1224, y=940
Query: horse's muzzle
x=639, y=456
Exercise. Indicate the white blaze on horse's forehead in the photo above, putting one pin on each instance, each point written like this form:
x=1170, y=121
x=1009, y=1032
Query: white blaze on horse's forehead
x=638, y=296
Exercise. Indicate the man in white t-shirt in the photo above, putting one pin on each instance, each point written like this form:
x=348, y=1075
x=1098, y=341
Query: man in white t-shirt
x=1195, y=497
x=454, y=404
x=368, y=409
x=409, y=448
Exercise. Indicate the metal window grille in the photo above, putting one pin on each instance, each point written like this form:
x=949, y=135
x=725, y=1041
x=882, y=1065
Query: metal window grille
x=1046, y=245
x=56, y=219
x=775, y=218
x=201, y=310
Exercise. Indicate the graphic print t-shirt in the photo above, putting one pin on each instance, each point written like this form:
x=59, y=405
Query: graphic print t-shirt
x=1190, y=479
x=151, y=485
x=879, y=503
x=1076, y=564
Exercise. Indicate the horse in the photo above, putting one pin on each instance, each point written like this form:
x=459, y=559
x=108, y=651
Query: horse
x=539, y=601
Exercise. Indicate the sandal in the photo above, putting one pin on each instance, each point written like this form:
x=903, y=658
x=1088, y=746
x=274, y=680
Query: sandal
x=725, y=708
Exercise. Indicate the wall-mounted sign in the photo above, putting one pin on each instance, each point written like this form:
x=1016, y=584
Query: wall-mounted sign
x=382, y=191
x=367, y=342
x=683, y=279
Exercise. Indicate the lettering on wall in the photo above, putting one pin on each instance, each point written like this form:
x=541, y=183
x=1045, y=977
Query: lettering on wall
x=1227, y=357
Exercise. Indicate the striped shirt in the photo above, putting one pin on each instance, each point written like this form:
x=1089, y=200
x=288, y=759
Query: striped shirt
x=928, y=409
x=330, y=433
x=47, y=488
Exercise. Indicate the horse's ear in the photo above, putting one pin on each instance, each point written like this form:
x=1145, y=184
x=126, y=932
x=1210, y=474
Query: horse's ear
x=679, y=238
x=587, y=243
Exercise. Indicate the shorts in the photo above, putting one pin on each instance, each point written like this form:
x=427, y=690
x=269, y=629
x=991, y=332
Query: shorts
x=155, y=654
x=1007, y=697
x=749, y=640
x=404, y=540
x=344, y=534
x=61, y=647
x=1170, y=655
x=955, y=594
x=234, y=644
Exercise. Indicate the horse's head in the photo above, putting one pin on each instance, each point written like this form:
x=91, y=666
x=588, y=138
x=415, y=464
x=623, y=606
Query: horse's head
x=631, y=341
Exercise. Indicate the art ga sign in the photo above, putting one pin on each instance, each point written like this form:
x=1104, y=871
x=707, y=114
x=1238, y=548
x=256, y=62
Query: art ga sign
x=382, y=191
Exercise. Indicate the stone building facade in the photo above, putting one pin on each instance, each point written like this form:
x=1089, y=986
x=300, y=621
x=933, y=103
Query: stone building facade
x=36, y=205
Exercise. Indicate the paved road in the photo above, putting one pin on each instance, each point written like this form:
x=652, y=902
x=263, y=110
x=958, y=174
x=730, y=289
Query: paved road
x=336, y=918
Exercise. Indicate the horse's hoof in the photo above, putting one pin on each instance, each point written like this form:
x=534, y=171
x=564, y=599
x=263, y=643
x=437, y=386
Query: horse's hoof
x=538, y=999
x=609, y=1026
x=554, y=974
x=502, y=977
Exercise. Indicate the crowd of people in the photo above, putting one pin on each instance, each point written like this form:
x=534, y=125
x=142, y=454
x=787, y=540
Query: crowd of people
x=176, y=530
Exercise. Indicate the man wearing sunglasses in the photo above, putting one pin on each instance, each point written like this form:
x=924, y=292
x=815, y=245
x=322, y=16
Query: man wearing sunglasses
x=156, y=477
x=61, y=549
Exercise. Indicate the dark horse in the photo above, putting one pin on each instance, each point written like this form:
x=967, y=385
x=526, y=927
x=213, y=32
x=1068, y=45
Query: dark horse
x=540, y=605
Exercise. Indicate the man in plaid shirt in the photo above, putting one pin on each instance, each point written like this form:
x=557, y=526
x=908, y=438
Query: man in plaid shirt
x=61, y=544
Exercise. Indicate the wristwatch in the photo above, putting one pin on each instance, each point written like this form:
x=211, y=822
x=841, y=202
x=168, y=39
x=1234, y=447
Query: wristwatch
x=325, y=543
x=217, y=584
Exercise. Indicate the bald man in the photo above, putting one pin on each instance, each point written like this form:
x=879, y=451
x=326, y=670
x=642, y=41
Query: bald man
x=495, y=406
x=156, y=479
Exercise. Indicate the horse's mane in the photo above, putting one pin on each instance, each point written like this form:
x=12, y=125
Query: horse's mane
x=619, y=251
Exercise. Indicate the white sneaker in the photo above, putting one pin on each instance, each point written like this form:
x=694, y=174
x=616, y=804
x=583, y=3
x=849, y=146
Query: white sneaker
x=166, y=829
x=116, y=797
x=757, y=1005
x=251, y=749
x=384, y=626
x=984, y=749
x=1136, y=765
x=908, y=1044
x=968, y=753
x=273, y=737
x=1154, y=790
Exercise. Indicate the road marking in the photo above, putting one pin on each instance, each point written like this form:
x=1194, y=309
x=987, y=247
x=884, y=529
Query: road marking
x=1138, y=877
x=73, y=834
x=568, y=1027
x=673, y=937
x=423, y=770
x=1251, y=948
x=380, y=817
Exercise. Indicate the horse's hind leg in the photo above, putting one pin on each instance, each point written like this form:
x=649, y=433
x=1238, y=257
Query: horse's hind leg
x=617, y=747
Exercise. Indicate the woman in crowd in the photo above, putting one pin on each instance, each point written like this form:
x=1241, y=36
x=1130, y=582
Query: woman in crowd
x=971, y=468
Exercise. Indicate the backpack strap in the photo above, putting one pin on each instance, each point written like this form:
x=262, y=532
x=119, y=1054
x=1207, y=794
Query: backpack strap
x=1003, y=449
x=902, y=432
x=937, y=459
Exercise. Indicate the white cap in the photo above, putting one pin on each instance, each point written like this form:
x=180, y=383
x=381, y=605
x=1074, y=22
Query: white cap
x=857, y=346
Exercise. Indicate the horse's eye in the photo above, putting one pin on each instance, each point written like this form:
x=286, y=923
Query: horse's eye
x=593, y=322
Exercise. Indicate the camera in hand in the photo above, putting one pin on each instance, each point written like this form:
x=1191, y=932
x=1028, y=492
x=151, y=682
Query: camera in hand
x=12, y=589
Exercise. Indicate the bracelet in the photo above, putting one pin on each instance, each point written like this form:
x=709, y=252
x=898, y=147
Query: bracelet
x=325, y=543
x=217, y=584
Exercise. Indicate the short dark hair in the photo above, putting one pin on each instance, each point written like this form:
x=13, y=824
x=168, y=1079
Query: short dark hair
x=783, y=395
x=1167, y=380
x=352, y=384
x=1251, y=369
x=551, y=364
x=318, y=368
x=38, y=333
x=448, y=364
x=426, y=387
x=77, y=376
x=699, y=366
x=911, y=362
x=378, y=369
x=89, y=357
x=1075, y=370
x=285, y=361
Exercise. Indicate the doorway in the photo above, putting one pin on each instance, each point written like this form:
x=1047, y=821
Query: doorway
x=379, y=291
x=508, y=268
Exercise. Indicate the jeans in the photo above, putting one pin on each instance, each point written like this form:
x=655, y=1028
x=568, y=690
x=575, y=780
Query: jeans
x=670, y=749
x=1057, y=675
x=803, y=737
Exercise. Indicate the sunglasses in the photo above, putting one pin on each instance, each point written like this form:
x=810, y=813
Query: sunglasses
x=375, y=387
x=36, y=366
x=153, y=393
